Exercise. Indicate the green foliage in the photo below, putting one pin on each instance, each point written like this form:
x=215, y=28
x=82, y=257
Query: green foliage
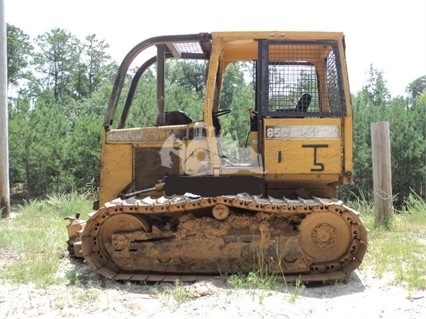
x=417, y=87
x=252, y=280
x=44, y=144
x=95, y=63
x=19, y=51
x=58, y=61
x=185, y=86
x=408, y=144
x=238, y=96
x=144, y=110
x=33, y=241
x=50, y=155
x=376, y=90
x=407, y=122
x=55, y=125
x=189, y=75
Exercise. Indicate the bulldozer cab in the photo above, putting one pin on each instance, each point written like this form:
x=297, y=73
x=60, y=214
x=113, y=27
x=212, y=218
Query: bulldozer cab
x=273, y=112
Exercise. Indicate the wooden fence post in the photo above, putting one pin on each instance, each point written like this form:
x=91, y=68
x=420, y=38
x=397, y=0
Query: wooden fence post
x=382, y=174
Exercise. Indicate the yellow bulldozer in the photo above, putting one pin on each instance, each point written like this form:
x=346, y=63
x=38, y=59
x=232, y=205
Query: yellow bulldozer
x=181, y=200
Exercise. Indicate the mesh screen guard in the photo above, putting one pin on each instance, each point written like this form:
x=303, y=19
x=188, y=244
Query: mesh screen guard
x=303, y=79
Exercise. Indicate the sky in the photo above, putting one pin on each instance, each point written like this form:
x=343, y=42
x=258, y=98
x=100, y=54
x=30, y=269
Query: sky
x=389, y=35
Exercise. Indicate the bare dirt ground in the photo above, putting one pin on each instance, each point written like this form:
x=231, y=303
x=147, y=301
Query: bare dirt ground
x=362, y=296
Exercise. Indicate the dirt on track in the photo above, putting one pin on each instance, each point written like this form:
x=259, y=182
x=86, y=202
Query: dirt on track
x=362, y=296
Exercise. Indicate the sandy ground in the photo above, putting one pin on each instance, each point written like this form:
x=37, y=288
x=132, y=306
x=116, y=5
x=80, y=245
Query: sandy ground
x=363, y=296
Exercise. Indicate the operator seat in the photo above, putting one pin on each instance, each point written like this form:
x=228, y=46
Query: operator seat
x=176, y=118
x=303, y=103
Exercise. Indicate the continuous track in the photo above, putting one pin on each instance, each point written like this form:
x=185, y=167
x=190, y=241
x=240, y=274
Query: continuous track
x=188, y=239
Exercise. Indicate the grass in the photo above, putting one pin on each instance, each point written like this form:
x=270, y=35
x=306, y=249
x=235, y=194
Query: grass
x=34, y=240
x=179, y=293
x=400, y=247
x=261, y=281
x=252, y=280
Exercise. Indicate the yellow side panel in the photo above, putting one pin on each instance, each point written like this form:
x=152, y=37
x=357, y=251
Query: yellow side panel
x=303, y=146
x=302, y=157
x=116, y=170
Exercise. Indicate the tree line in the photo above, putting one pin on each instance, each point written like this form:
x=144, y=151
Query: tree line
x=59, y=86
